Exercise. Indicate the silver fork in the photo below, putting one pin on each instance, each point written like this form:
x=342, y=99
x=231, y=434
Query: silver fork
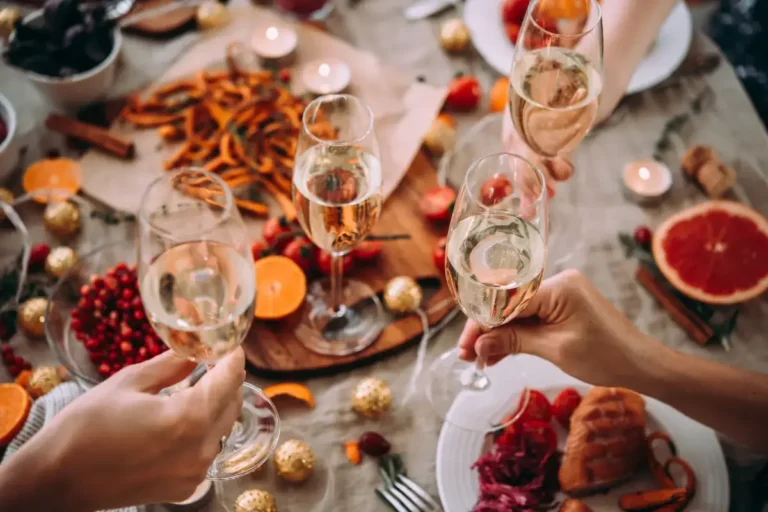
x=404, y=495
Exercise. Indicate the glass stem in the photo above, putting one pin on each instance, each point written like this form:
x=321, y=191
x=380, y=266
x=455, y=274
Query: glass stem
x=337, y=271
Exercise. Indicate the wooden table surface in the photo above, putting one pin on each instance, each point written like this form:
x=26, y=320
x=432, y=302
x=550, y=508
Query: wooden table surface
x=591, y=202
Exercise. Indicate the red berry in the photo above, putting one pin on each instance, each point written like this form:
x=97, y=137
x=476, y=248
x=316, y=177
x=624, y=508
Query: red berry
x=136, y=303
x=76, y=324
x=125, y=280
x=104, y=295
x=121, y=267
x=643, y=236
x=9, y=358
x=15, y=370
x=143, y=352
x=112, y=356
x=98, y=283
x=27, y=365
x=38, y=255
x=116, y=366
x=127, y=293
x=7, y=349
x=104, y=370
x=374, y=444
x=122, y=305
x=138, y=315
x=19, y=361
x=98, y=304
x=128, y=361
x=92, y=344
x=84, y=290
x=154, y=350
x=96, y=357
x=284, y=75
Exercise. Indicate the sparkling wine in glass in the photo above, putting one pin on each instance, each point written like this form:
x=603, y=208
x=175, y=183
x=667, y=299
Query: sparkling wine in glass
x=554, y=89
x=198, y=287
x=495, y=257
x=556, y=76
x=337, y=193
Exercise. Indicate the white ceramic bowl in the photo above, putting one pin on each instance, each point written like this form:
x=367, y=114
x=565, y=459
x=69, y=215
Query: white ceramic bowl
x=9, y=153
x=80, y=89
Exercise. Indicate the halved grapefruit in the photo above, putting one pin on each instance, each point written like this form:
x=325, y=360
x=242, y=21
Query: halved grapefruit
x=715, y=252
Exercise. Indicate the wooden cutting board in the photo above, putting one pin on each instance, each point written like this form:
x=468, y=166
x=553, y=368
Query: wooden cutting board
x=272, y=349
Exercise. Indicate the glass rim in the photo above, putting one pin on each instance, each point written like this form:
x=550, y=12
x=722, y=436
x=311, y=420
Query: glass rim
x=542, y=197
x=584, y=32
x=143, y=216
x=337, y=142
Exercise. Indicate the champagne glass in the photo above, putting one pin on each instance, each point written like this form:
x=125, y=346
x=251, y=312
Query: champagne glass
x=495, y=256
x=337, y=194
x=198, y=285
x=555, y=84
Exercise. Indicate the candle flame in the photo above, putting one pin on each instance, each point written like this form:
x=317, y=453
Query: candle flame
x=644, y=173
x=272, y=33
x=324, y=70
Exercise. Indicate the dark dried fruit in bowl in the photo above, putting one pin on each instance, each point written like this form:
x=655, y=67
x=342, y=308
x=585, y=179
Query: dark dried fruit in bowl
x=64, y=41
x=374, y=444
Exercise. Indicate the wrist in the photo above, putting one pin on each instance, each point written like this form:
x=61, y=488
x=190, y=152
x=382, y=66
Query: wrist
x=654, y=368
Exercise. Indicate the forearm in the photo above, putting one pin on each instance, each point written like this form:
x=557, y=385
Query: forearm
x=32, y=480
x=731, y=401
x=629, y=27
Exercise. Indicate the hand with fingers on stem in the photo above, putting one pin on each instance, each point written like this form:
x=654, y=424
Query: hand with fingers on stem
x=123, y=444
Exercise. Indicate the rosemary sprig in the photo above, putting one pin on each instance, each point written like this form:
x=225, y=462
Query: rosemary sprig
x=112, y=217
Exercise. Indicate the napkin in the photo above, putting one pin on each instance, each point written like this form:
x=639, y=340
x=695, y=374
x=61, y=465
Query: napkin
x=403, y=108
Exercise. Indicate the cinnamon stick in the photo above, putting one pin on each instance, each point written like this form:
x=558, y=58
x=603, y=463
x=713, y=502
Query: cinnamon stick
x=96, y=135
x=695, y=327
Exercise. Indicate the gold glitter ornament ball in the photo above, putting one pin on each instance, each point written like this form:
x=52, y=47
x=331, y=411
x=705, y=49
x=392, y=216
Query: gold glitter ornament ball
x=43, y=380
x=6, y=196
x=8, y=18
x=371, y=397
x=402, y=295
x=31, y=317
x=294, y=460
x=59, y=260
x=255, y=500
x=454, y=36
x=62, y=219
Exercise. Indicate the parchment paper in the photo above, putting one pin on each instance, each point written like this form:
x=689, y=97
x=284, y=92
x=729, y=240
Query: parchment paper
x=403, y=108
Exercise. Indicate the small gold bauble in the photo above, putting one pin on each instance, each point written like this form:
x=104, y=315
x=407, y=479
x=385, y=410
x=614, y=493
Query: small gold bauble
x=294, y=460
x=454, y=35
x=59, y=260
x=212, y=14
x=440, y=137
x=6, y=196
x=31, y=317
x=62, y=219
x=8, y=18
x=402, y=295
x=255, y=500
x=43, y=380
x=371, y=397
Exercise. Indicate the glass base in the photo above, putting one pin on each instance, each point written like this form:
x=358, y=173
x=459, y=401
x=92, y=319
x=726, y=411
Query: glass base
x=465, y=397
x=354, y=327
x=253, y=439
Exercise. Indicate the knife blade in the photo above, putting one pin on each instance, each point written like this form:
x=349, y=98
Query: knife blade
x=426, y=8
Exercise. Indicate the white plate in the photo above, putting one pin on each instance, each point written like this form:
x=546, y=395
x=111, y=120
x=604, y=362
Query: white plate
x=483, y=17
x=458, y=449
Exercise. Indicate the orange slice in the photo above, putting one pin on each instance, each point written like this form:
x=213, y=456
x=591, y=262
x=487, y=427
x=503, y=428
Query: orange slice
x=564, y=9
x=59, y=174
x=14, y=408
x=280, y=287
x=294, y=389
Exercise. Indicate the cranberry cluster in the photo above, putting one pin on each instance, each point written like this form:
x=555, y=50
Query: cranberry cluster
x=15, y=364
x=110, y=321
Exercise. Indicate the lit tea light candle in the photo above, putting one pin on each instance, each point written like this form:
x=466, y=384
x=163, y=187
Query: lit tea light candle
x=274, y=42
x=326, y=76
x=647, y=179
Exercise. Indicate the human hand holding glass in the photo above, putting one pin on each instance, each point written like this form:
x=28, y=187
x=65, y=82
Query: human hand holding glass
x=495, y=256
x=198, y=287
